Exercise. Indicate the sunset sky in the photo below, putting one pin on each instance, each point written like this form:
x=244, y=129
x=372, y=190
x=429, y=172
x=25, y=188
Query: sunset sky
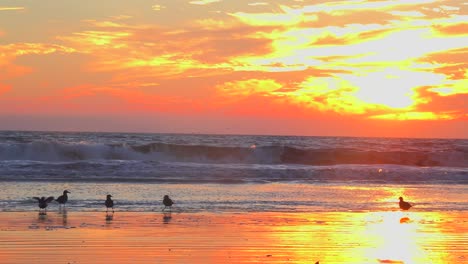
x=325, y=68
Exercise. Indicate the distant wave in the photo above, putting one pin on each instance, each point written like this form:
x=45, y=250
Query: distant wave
x=64, y=152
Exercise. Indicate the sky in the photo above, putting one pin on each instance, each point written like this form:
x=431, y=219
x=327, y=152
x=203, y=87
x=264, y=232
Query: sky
x=283, y=67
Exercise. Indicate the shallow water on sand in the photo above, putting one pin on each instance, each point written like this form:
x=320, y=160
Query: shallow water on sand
x=269, y=197
x=144, y=237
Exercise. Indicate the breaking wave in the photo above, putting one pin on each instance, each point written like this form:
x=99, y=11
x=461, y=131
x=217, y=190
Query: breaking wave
x=162, y=152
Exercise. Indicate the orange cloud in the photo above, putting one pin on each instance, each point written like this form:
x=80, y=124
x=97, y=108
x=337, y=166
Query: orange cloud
x=330, y=40
x=20, y=49
x=452, y=63
x=284, y=17
x=416, y=116
x=9, y=53
x=234, y=90
x=454, y=29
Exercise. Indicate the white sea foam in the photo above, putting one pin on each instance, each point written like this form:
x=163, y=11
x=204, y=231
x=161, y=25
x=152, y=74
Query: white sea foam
x=229, y=159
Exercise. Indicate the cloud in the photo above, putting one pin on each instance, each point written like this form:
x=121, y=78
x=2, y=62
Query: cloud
x=330, y=40
x=453, y=63
x=11, y=8
x=157, y=7
x=21, y=49
x=284, y=17
x=204, y=2
x=10, y=53
x=258, y=4
x=453, y=29
x=249, y=87
x=406, y=14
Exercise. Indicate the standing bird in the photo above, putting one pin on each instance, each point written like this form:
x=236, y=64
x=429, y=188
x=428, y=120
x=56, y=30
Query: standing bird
x=109, y=203
x=43, y=202
x=404, y=205
x=62, y=199
x=167, y=202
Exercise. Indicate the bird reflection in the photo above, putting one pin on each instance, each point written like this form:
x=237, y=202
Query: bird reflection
x=109, y=218
x=167, y=217
x=64, y=213
x=404, y=220
x=42, y=216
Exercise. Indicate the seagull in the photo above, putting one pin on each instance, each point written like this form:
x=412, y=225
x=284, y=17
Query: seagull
x=167, y=202
x=109, y=203
x=43, y=202
x=404, y=205
x=62, y=199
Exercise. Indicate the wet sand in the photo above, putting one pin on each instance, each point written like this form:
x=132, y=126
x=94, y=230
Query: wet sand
x=156, y=237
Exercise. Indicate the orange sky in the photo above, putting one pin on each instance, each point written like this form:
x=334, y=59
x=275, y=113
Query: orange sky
x=337, y=68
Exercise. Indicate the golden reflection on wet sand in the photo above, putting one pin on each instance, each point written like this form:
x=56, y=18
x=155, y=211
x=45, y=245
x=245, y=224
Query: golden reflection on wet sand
x=383, y=237
x=332, y=237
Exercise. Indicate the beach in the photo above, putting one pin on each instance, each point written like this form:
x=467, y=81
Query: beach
x=238, y=199
x=158, y=237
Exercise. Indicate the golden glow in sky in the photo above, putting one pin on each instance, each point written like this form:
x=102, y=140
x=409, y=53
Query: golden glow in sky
x=357, y=68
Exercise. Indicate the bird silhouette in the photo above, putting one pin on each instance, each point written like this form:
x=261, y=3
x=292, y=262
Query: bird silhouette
x=404, y=205
x=109, y=203
x=62, y=199
x=43, y=202
x=167, y=202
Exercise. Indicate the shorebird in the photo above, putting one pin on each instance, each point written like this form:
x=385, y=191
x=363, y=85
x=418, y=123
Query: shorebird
x=404, y=205
x=167, y=202
x=109, y=203
x=43, y=202
x=62, y=199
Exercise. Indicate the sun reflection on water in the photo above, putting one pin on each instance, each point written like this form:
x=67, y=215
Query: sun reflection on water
x=373, y=237
x=393, y=238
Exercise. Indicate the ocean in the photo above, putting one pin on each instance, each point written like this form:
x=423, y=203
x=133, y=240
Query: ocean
x=232, y=173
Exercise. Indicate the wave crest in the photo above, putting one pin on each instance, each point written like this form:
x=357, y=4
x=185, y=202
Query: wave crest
x=54, y=151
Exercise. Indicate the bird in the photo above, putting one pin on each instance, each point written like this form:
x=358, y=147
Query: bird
x=404, y=205
x=167, y=202
x=43, y=202
x=62, y=199
x=109, y=203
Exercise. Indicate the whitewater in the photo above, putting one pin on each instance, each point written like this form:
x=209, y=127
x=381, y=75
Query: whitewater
x=231, y=172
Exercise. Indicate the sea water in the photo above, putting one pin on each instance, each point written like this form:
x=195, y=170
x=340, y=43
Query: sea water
x=225, y=173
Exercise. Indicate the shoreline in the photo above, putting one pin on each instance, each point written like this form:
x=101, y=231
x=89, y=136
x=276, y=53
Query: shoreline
x=220, y=237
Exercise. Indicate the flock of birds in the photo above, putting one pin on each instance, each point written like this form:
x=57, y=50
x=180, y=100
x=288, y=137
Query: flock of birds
x=43, y=202
x=109, y=203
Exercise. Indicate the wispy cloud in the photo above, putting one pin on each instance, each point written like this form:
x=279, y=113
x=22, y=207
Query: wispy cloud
x=204, y=2
x=11, y=8
x=258, y=4
x=157, y=7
